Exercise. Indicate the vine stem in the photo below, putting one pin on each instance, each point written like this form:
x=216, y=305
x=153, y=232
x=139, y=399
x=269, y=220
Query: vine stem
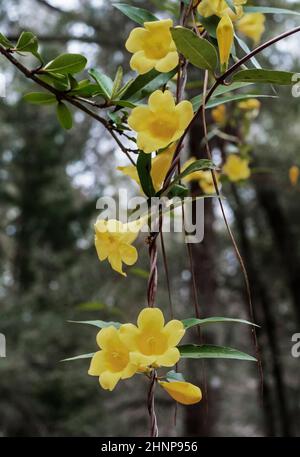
x=151, y=405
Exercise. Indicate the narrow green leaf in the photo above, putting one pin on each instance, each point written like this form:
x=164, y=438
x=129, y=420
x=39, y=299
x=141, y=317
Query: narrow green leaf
x=247, y=50
x=235, y=98
x=144, y=85
x=265, y=76
x=201, y=164
x=5, y=42
x=99, y=324
x=198, y=51
x=104, y=82
x=117, y=82
x=66, y=64
x=197, y=101
x=64, y=116
x=78, y=357
x=206, y=351
x=139, y=272
x=269, y=10
x=87, y=90
x=138, y=15
x=123, y=103
x=40, y=98
x=174, y=376
x=192, y=322
x=144, y=172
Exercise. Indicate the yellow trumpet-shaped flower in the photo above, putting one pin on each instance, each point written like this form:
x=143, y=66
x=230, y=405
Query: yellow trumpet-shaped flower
x=219, y=115
x=112, y=363
x=206, y=182
x=161, y=122
x=220, y=8
x=251, y=104
x=183, y=392
x=225, y=36
x=113, y=241
x=159, y=168
x=252, y=25
x=152, y=47
x=294, y=174
x=151, y=342
x=236, y=168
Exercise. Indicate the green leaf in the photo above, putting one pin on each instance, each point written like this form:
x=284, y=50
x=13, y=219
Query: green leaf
x=66, y=64
x=123, y=103
x=91, y=306
x=104, y=82
x=78, y=357
x=198, y=51
x=5, y=42
x=139, y=272
x=201, y=164
x=235, y=98
x=178, y=190
x=144, y=171
x=64, y=116
x=59, y=82
x=197, y=101
x=192, y=322
x=144, y=85
x=87, y=90
x=99, y=324
x=40, y=98
x=27, y=42
x=138, y=15
x=265, y=76
x=207, y=351
x=117, y=82
x=174, y=376
x=246, y=49
x=269, y=10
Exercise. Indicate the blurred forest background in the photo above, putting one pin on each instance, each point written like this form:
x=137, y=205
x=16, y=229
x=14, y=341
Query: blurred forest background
x=50, y=181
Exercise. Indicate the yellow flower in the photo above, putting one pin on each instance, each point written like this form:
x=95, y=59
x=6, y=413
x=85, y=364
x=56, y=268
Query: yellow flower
x=161, y=122
x=159, y=168
x=252, y=25
x=250, y=105
x=152, y=47
x=220, y=8
x=112, y=363
x=219, y=114
x=195, y=176
x=206, y=182
x=236, y=168
x=113, y=241
x=225, y=36
x=183, y=392
x=152, y=343
x=294, y=173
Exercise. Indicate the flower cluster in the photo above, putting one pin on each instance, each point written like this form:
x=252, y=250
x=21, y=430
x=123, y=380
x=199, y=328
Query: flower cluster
x=140, y=348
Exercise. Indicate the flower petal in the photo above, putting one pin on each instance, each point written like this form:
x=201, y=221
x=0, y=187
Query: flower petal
x=115, y=261
x=141, y=360
x=183, y=392
x=129, y=371
x=168, y=63
x=128, y=254
x=151, y=318
x=139, y=118
x=161, y=101
x=174, y=331
x=98, y=364
x=135, y=40
x=185, y=114
x=102, y=247
x=154, y=25
x=140, y=63
x=109, y=380
x=148, y=144
x=108, y=338
x=169, y=358
x=128, y=335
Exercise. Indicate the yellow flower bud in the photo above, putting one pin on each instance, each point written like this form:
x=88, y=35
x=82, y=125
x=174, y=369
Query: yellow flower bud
x=294, y=173
x=219, y=114
x=225, y=35
x=250, y=105
x=183, y=392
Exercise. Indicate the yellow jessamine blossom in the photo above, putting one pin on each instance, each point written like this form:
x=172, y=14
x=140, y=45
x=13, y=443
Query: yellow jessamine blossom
x=220, y=8
x=250, y=105
x=112, y=363
x=294, y=173
x=113, y=241
x=204, y=178
x=219, y=114
x=225, y=36
x=152, y=47
x=236, y=168
x=151, y=342
x=159, y=168
x=183, y=392
x=252, y=25
x=161, y=122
